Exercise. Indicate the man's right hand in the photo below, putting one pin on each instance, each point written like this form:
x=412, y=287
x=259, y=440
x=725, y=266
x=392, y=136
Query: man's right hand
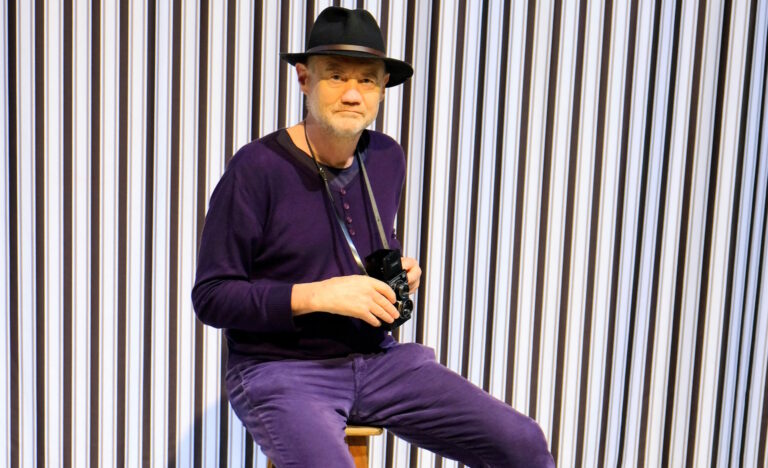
x=357, y=296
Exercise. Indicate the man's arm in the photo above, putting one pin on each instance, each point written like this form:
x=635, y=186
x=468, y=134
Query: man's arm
x=355, y=296
x=224, y=295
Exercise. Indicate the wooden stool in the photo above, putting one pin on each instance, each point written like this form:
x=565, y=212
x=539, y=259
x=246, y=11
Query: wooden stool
x=357, y=440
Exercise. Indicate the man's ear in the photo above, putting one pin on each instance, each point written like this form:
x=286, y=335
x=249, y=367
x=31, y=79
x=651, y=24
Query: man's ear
x=302, y=73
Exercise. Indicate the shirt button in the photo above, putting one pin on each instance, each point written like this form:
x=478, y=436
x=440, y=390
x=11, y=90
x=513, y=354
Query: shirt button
x=349, y=219
x=351, y=232
x=343, y=192
x=346, y=205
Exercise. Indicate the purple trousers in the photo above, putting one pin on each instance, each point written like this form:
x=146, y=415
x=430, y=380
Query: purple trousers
x=296, y=411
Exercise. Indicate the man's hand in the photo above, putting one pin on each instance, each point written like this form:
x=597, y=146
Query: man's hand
x=412, y=269
x=356, y=296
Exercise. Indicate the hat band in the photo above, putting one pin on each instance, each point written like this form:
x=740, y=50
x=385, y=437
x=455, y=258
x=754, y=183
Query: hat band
x=346, y=48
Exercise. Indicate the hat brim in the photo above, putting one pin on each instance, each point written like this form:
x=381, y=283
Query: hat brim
x=398, y=70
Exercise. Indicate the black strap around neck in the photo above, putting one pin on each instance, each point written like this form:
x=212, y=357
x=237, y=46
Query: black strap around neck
x=367, y=183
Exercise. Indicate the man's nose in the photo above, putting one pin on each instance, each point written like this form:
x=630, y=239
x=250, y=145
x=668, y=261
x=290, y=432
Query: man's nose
x=351, y=92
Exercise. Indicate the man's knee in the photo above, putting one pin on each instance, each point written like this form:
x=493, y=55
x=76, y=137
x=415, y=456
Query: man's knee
x=523, y=443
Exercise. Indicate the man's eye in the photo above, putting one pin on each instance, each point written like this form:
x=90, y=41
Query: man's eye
x=337, y=77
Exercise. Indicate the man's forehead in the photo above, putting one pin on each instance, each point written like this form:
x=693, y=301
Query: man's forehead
x=331, y=61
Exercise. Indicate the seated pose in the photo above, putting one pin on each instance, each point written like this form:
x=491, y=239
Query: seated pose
x=300, y=264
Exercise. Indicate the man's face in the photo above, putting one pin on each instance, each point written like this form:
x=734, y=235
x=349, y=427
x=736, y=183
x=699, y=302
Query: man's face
x=343, y=94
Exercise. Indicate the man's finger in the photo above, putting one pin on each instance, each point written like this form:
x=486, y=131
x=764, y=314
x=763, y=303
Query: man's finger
x=384, y=289
x=371, y=319
x=387, y=308
x=383, y=314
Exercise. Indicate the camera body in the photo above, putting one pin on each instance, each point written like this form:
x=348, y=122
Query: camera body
x=385, y=265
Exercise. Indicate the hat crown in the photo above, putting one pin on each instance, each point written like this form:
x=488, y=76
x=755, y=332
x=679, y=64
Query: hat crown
x=337, y=25
x=350, y=33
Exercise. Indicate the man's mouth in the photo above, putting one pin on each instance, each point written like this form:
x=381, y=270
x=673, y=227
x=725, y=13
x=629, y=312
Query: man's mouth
x=348, y=111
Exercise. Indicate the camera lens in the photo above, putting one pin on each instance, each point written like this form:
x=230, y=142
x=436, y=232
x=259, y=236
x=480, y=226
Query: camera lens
x=406, y=307
x=402, y=290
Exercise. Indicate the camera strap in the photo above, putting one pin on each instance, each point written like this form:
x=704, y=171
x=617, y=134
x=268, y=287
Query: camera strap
x=343, y=226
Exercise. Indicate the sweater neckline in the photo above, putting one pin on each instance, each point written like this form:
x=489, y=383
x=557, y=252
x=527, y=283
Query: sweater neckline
x=337, y=178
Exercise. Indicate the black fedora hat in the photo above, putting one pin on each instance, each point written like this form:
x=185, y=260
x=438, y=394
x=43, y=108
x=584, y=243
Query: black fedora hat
x=351, y=33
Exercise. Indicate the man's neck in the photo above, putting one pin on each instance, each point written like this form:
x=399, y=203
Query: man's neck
x=329, y=149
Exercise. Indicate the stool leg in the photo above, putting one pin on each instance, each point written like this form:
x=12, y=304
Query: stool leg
x=358, y=447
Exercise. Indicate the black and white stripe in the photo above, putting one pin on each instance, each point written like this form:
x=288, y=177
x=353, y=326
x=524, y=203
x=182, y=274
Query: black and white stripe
x=586, y=193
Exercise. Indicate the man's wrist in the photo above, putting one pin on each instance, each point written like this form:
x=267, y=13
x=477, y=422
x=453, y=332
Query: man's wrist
x=302, y=298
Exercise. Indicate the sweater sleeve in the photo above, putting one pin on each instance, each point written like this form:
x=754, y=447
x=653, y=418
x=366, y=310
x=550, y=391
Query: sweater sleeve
x=225, y=295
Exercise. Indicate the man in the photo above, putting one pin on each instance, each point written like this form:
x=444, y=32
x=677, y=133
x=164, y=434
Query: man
x=280, y=268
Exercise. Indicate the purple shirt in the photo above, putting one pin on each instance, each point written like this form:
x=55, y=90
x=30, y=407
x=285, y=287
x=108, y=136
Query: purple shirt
x=270, y=225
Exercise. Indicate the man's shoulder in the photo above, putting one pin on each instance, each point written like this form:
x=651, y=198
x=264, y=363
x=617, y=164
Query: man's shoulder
x=261, y=152
x=383, y=142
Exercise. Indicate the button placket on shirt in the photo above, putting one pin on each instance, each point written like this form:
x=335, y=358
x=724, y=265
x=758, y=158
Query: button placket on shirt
x=347, y=215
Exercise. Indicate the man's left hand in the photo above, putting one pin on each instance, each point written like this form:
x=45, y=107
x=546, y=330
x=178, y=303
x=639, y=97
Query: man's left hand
x=412, y=269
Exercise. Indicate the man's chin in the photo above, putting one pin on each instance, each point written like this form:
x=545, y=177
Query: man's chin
x=349, y=131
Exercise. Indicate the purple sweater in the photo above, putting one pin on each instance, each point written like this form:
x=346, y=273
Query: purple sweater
x=270, y=226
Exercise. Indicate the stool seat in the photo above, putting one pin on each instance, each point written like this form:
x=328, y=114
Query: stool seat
x=362, y=431
x=357, y=440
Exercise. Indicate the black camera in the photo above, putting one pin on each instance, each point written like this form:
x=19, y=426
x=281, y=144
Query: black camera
x=385, y=265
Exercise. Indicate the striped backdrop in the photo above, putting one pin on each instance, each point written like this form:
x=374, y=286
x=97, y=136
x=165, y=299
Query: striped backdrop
x=586, y=193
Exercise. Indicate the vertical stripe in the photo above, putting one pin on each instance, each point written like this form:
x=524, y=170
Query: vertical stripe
x=458, y=72
x=763, y=428
x=231, y=29
x=660, y=222
x=405, y=125
x=517, y=225
x=173, y=230
x=554, y=57
x=384, y=25
x=202, y=177
x=476, y=155
x=501, y=112
x=426, y=183
x=759, y=268
x=309, y=20
x=95, y=247
x=256, y=88
x=618, y=231
x=149, y=234
x=122, y=233
x=283, y=75
x=650, y=104
x=405, y=122
x=13, y=241
x=735, y=217
x=223, y=407
x=249, y=450
x=228, y=126
x=708, y=232
x=597, y=179
x=567, y=235
x=67, y=427
x=764, y=418
x=683, y=235
x=40, y=228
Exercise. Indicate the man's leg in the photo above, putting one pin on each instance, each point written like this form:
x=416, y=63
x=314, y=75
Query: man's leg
x=409, y=393
x=295, y=411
